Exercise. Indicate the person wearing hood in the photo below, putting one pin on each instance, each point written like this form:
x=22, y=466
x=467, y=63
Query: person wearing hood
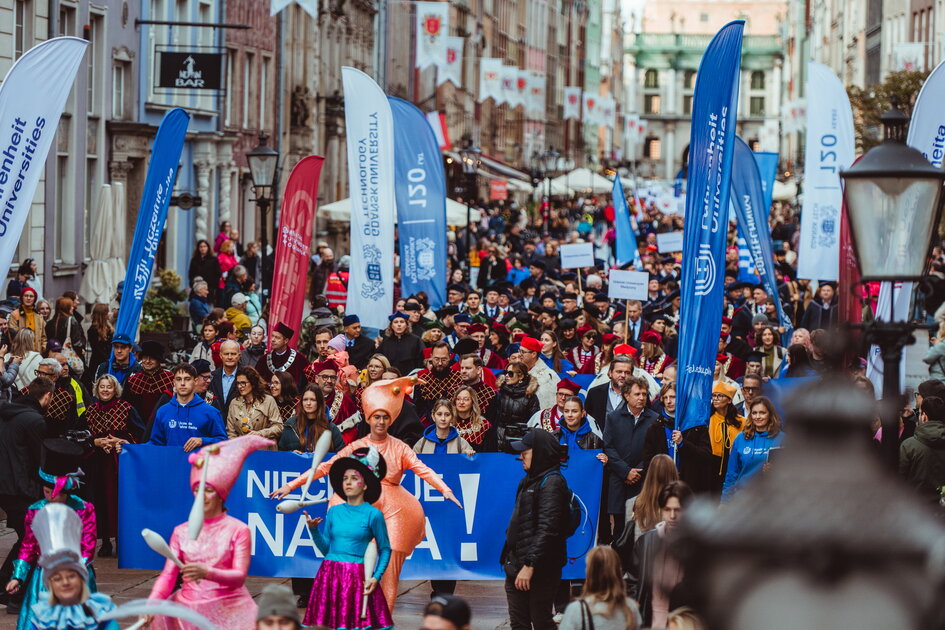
x=922, y=456
x=22, y=430
x=442, y=437
x=536, y=539
x=515, y=402
x=751, y=447
x=187, y=420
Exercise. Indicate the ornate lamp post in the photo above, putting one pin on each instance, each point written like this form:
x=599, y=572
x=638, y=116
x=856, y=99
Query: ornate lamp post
x=263, y=163
x=894, y=199
x=472, y=157
x=549, y=166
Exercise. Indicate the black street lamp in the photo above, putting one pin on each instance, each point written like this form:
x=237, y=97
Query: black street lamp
x=549, y=164
x=471, y=156
x=263, y=164
x=894, y=199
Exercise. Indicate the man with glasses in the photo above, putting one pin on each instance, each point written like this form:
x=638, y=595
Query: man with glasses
x=222, y=388
x=607, y=397
x=187, y=420
x=529, y=348
x=549, y=418
x=751, y=390
x=470, y=375
x=436, y=382
x=338, y=405
x=61, y=413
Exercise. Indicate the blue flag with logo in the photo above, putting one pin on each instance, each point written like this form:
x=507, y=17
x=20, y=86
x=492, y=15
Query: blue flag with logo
x=420, y=187
x=711, y=139
x=768, y=168
x=152, y=214
x=752, y=221
x=626, y=246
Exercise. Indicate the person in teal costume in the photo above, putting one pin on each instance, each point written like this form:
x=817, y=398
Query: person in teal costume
x=60, y=474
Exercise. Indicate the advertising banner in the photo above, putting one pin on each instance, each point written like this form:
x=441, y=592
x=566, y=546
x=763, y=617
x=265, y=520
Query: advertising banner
x=459, y=544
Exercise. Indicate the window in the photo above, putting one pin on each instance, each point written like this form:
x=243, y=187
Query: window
x=228, y=99
x=756, y=106
x=757, y=80
x=651, y=79
x=22, y=27
x=264, y=91
x=687, y=104
x=689, y=80
x=651, y=104
x=703, y=17
x=652, y=150
x=96, y=55
x=118, y=90
x=248, y=72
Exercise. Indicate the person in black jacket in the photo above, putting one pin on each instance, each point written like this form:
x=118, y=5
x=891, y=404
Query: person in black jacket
x=204, y=264
x=605, y=398
x=360, y=349
x=514, y=404
x=655, y=577
x=536, y=539
x=823, y=311
x=403, y=349
x=624, y=439
x=22, y=431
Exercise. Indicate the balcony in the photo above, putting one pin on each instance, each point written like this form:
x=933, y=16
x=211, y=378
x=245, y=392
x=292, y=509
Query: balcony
x=673, y=47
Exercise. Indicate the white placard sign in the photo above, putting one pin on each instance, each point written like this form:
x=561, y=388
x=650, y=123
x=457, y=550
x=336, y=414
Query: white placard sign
x=577, y=255
x=669, y=242
x=628, y=285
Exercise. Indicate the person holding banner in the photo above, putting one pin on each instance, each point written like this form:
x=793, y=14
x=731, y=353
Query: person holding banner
x=382, y=403
x=342, y=583
x=705, y=448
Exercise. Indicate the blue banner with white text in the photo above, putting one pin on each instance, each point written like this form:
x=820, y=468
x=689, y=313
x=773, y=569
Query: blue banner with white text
x=152, y=214
x=715, y=101
x=459, y=544
x=420, y=187
x=750, y=212
x=768, y=169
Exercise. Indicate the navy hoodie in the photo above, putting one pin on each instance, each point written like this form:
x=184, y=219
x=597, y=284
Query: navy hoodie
x=174, y=423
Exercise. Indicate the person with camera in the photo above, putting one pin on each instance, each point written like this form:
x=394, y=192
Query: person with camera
x=535, y=548
x=514, y=404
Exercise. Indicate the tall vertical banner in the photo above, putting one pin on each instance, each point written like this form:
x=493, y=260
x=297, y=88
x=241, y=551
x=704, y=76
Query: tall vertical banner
x=450, y=67
x=627, y=249
x=768, y=169
x=370, y=131
x=572, y=103
x=712, y=140
x=490, y=79
x=753, y=223
x=830, y=149
x=293, y=244
x=421, y=203
x=32, y=97
x=590, y=105
x=432, y=28
x=152, y=215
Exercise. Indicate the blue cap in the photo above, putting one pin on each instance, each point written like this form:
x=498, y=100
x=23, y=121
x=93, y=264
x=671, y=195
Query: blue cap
x=351, y=319
x=397, y=315
x=462, y=318
x=121, y=338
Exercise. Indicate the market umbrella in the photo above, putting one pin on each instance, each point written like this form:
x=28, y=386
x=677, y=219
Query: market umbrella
x=116, y=252
x=96, y=282
x=583, y=180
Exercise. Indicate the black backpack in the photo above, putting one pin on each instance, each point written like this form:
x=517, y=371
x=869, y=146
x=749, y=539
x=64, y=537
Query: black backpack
x=577, y=513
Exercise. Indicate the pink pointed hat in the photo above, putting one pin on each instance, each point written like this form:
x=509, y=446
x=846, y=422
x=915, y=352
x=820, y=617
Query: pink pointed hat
x=225, y=461
x=387, y=396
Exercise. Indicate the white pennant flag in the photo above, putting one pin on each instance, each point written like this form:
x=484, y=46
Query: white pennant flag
x=521, y=89
x=432, y=26
x=572, y=103
x=591, y=109
x=310, y=6
x=536, y=95
x=451, y=68
x=508, y=80
x=607, y=107
x=490, y=81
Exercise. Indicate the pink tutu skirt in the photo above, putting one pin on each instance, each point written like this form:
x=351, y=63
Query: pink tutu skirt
x=336, y=599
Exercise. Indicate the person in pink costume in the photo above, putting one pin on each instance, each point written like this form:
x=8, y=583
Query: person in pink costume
x=217, y=562
x=402, y=512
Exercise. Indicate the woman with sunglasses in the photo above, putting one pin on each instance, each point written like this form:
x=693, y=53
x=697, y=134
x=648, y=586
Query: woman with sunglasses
x=253, y=411
x=514, y=404
x=583, y=355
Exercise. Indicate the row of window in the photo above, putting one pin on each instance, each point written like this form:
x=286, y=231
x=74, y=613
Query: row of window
x=653, y=101
x=652, y=104
x=651, y=79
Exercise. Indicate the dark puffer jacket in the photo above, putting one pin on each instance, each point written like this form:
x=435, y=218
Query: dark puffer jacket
x=537, y=532
x=922, y=459
x=514, y=404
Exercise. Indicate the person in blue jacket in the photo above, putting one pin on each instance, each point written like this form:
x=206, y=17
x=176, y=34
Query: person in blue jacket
x=751, y=447
x=187, y=420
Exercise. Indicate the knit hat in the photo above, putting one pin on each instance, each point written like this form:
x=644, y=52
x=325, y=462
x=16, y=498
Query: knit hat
x=225, y=460
x=29, y=290
x=760, y=318
x=724, y=388
x=277, y=600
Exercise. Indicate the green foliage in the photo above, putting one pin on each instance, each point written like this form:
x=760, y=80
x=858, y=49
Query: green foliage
x=869, y=104
x=170, y=285
x=157, y=312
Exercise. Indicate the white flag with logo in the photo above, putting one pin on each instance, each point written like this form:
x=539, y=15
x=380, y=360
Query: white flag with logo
x=32, y=97
x=830, y=149
x=521, y=89
x=910, y=56
x=536, y=95
x=451, y=68
x=490, y=79
x=432, y=27
x=607, y=107
x=370, y=133
x=591, y=114
x=572, y=103
x=508, y=79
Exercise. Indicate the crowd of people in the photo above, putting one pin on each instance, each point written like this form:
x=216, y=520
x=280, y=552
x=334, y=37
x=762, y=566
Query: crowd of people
x=524, y=357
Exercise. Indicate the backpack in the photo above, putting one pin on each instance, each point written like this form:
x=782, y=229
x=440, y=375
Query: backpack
x=577, y=513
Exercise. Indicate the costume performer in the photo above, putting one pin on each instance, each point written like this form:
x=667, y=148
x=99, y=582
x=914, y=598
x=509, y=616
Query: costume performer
x=59, y=474
x=69, y=605
x=406, y=525
x=216, y=564
x=341, y=582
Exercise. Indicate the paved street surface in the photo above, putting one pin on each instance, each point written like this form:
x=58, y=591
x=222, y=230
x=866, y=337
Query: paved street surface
x=486, y=598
